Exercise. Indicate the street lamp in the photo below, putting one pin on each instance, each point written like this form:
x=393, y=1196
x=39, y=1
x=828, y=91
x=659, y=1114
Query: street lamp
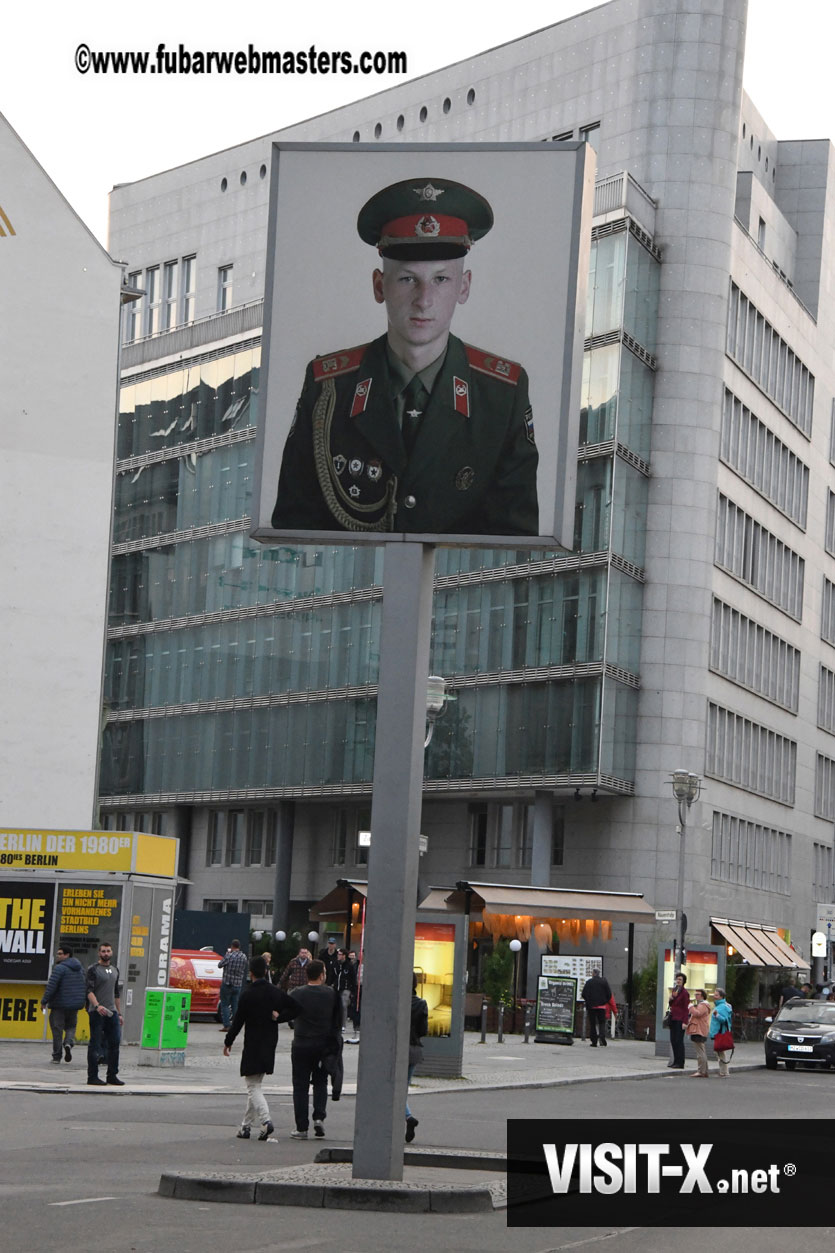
x=686, y=789
x=436, y=699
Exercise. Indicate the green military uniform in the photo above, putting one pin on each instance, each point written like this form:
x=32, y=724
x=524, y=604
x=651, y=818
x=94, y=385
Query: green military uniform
x=471, y=469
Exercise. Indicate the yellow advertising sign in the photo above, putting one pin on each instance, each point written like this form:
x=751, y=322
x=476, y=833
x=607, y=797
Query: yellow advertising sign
x=88, y=850
x=21, y=1016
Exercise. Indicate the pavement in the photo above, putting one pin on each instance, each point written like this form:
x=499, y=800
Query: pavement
x=464, y=1180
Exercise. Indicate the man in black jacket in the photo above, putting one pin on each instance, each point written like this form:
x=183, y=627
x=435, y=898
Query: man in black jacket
x=316, y=1036
x=64, y=995
x=596, y=995
x=259, y=1011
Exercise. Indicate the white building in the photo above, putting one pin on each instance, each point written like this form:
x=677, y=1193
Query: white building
x=59, y=346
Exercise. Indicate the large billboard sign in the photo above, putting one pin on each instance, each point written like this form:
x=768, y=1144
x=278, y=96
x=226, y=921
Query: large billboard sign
x=423, y=333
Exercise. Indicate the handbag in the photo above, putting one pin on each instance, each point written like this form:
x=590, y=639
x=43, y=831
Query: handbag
x=723, y=1040
x=666, y=1021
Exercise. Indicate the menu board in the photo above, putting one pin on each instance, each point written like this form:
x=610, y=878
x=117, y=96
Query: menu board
x=556, y=999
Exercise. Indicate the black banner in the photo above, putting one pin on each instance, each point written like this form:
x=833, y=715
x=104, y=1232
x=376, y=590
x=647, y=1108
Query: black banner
x=654, y=1173
x=26, y=911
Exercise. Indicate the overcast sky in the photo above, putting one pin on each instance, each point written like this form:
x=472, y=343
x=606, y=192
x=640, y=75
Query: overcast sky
x=91, y=131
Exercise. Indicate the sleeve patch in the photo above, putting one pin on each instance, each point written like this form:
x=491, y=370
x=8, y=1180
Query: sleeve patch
x=529, y=425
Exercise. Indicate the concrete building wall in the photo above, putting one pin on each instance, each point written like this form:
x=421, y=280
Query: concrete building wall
x=59, y=309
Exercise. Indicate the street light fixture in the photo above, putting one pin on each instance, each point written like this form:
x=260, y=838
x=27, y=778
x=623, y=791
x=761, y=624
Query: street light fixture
x=686, y=789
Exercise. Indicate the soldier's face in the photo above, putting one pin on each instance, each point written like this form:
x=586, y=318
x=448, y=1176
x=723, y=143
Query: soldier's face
x=420, y=297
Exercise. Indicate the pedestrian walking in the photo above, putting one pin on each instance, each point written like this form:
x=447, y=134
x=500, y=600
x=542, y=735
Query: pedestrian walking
x=721, y=1031
x=104, y=992
x=64, y=995
x=698, y=1028
x=679, y=1009
x=234, y=966
x=329, y=957
x=316, y=1035
x=345, y=983
x=596, y=995
x=257, y=1014
x=418, y=1028
x=293, y=975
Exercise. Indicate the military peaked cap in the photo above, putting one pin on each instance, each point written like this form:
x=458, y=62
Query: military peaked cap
x=424, y=219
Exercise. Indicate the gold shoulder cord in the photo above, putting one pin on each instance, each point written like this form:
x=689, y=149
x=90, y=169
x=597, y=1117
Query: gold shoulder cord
x=322, y=419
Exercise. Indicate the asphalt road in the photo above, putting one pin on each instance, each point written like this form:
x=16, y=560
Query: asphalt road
x=81, y=1170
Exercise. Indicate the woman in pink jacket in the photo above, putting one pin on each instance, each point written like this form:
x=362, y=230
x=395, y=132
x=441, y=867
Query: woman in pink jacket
x=698, y=1028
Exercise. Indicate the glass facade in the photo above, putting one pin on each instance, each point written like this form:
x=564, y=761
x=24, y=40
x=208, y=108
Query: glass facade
x=233, y=668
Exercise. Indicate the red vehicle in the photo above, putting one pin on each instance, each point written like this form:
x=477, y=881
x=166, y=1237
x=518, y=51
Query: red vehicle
x=196, y=971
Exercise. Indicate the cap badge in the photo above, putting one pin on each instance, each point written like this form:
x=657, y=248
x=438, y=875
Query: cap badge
x=374, y=470
x=355, y=467
x=428, y=192
x=427, y=226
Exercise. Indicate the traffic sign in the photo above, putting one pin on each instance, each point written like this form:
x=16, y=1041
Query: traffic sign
x=665, y=915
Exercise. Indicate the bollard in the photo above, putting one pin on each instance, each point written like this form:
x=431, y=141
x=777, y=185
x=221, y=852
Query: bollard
x=483, y=1039
x=501, y=1025
x=528, y=1024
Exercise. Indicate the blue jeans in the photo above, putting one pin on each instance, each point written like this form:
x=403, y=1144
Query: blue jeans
x=229, y=997
x=105, y=1038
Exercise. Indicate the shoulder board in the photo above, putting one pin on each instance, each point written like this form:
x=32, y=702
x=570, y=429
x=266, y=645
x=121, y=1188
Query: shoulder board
x=338, y=363
x=496, y=367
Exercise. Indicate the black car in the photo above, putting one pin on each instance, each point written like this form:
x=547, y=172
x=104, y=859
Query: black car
x=803, y=1031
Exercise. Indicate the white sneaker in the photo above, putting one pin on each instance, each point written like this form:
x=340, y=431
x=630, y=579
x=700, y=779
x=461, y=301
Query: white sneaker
x=318, y=1128
x=298, y=1135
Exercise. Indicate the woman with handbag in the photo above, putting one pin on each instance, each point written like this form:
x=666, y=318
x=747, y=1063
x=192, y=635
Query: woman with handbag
x=697, y=1028
x=721, y=1022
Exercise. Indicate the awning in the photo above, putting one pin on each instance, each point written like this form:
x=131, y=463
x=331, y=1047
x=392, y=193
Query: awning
x=759, y=944
x=558, y=903
x=337, y=904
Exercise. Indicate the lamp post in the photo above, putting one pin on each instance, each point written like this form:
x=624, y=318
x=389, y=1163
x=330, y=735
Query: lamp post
x=686, y=789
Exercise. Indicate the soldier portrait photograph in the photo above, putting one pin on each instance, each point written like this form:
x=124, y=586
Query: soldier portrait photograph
x=404, y=425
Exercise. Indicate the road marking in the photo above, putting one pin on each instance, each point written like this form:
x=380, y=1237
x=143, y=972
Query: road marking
x=85, y=1200
x=578, y=1244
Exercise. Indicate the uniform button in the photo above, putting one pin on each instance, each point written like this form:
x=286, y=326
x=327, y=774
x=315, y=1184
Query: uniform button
x=409, y=502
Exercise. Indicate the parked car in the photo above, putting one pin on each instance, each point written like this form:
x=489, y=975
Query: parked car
x=196, y=971
x=803, y=1031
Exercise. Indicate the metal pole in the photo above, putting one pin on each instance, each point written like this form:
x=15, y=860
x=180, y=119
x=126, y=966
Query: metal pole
x=483, y=1039
x=681, y=829
x=501, y=1023
x=630, y=972
x=528, y=1024
x=389, y=940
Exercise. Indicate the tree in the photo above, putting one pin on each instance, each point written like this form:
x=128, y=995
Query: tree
x=497, y=974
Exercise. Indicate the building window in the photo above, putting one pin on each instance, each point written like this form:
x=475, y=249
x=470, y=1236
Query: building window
x=156, y=822
x=272, y=837
x=152, y=300
x=121, y=822
x=757, y=349
x=340, y=837
x=749, y=755
x=591, y=134
x=213, y=905
x=261, y=908
x=255, y=837
x=751, y=855
x=503, y=841
x=747, y=550
x=189, y=288
x=134, y=313
x=828, y=612
x=224, y=288
x=363, y=825
x=748, y=654
x=478, y=835
x=764, y=461
x=214, y=840
x=524, y=841
x=169, y=295
x=823, y=873
x=235, y=826
x=558, y=838
x=761, y=235
x=824, y=787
